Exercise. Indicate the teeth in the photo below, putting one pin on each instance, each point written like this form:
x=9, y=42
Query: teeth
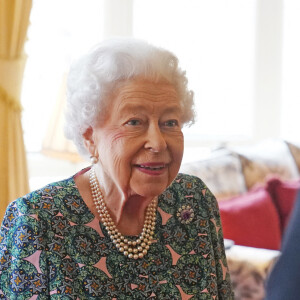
x=152, y=168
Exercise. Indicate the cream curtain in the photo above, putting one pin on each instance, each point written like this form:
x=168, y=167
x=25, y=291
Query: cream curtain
x=14, y=21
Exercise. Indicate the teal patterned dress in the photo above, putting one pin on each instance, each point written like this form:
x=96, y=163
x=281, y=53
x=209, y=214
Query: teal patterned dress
x=52, y=247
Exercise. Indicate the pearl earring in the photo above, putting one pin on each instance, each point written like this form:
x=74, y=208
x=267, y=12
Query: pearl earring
x=93, y=159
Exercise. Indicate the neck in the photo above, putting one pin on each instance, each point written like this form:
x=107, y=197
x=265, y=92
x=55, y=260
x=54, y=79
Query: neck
x=133, y=248
x=127, y=211
x=132, y=216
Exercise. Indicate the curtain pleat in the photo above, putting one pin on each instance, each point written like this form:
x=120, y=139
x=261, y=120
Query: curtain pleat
x=14, y=21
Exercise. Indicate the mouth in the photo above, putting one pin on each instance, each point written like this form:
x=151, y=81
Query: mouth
x=152, y=168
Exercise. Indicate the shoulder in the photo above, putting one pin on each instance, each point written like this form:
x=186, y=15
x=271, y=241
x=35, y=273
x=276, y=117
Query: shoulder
x=188, y=188
x=32, y=220
x=190, y=185
x=32, y=204
x=185, y=178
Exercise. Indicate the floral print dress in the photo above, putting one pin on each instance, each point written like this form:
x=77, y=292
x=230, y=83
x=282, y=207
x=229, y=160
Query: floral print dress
x=53, y=247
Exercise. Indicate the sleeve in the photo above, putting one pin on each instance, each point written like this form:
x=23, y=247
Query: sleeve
x=222, y=272
x=20, y=248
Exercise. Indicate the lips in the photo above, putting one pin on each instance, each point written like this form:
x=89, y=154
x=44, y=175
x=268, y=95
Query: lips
x=151, y=168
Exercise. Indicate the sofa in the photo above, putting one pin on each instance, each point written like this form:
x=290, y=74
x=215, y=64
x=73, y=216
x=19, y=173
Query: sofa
x=256, y=187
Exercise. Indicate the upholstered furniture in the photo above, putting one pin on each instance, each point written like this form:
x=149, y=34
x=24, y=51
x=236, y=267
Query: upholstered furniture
x=249, y=269
x=257, y=221
x=233, y=171
x=256, y=187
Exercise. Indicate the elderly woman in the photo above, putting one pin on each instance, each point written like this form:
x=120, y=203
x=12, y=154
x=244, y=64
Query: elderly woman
x=130, y=226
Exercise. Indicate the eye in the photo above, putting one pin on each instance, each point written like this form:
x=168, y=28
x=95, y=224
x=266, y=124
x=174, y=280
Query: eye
x=171, y=123
x=133, y=122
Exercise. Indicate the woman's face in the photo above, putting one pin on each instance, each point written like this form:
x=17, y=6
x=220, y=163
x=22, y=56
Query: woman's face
x=140, y=144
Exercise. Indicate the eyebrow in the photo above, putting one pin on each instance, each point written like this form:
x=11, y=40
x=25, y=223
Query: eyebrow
x=133, y=108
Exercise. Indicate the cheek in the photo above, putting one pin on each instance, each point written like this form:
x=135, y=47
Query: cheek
x=112, y=140
x=122, y=137
x=176, y=144
x=121, y=147
x=110, y=146
x=128, y=140
x=115, y=162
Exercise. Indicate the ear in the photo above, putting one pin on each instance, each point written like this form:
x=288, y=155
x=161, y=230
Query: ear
x=89, y=141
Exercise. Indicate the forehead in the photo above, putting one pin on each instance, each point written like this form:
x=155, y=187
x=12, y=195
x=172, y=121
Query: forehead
x=140, y=93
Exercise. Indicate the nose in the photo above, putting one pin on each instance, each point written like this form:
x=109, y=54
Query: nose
x=155, y=140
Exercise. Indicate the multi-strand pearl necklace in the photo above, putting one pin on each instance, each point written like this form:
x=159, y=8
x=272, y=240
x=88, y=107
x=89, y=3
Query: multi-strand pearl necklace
x=132, y=248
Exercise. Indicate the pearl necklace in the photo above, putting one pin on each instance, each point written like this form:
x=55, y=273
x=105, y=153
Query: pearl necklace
x=132, y=248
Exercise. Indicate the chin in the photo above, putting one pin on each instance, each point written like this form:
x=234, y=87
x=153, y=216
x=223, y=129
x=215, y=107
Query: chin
x=149, y=190
x=149, y=187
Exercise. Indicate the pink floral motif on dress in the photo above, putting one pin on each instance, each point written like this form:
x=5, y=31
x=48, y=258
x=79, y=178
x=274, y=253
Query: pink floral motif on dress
x=95, y=224
x=134, y=286
x=34, y=217
x=34, y=259
x=53, y=292
x=101, y=264
x=224, y=269
x=175, y=255
x=164, y=216
x=184, y=296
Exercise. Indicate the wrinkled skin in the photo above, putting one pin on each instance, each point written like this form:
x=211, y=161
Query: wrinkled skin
x=140, y=148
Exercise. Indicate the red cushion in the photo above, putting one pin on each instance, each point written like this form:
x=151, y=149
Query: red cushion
x=284, y=194
x=251, y=220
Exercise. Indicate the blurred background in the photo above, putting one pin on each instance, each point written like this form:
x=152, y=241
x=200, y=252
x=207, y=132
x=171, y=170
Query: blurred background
x=241, y=57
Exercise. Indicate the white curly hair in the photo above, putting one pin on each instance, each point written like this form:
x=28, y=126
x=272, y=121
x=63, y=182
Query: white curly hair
x=95, y=76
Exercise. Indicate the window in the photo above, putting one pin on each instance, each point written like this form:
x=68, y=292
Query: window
x=222, y=44
x=290, y=120
x=215, y=42
x=59, y=31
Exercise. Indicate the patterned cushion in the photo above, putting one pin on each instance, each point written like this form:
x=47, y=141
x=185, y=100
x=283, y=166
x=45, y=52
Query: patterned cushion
x=221, y=172
x=271, y=157
x=284, y=195
x=251, y=220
